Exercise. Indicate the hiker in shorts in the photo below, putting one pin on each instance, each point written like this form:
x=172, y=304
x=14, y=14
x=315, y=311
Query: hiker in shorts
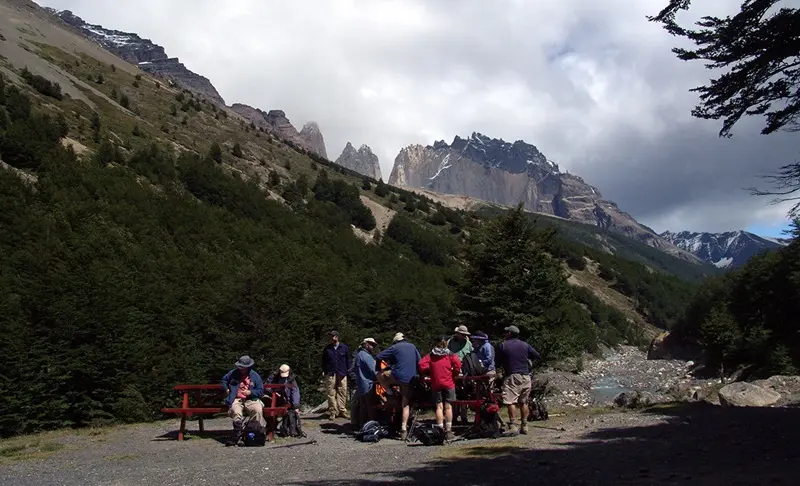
x=460, y=345
x=291, y=394
x=402, y=357
x=442, y=366
x=244, y=389
x=485, y=350
x=513, y=355
x=362, y=406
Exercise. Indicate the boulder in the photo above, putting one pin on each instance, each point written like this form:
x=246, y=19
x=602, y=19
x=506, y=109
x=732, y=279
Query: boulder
x=634, y=399
x=743, y=394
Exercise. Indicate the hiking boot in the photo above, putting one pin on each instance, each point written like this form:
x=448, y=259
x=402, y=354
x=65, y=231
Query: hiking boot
x=523, y=429
x=236, y=435
x=449, y=436
x=345, y=415
x=403, y=435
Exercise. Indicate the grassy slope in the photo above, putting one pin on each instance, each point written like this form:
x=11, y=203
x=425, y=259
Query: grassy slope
x=150, y=113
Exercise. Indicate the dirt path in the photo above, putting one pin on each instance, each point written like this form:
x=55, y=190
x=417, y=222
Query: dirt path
x=698, y=444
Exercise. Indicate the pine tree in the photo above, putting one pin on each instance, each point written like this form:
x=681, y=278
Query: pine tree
x=512, y=280
x=215, y=153
x=237, y=150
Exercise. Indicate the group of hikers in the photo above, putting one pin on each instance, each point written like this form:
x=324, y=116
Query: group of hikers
x=380, y=376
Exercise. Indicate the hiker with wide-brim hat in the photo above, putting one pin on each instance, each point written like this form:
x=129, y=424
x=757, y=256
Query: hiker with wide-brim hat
x=460, y=346
x=513, y=356
x=244, y=389
x=486, y=353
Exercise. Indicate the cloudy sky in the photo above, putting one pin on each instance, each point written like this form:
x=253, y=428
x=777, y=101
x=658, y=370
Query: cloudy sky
x=592, y=84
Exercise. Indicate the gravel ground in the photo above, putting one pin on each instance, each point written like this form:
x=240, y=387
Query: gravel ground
x=697, y=444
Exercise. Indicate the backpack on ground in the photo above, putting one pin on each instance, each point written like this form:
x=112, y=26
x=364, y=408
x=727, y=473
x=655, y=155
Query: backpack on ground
x=489, y=425
x=472, y=365
x=372, y=431
x=429, y=434
x=254, y=434
x=290, y=425
x=537, y=409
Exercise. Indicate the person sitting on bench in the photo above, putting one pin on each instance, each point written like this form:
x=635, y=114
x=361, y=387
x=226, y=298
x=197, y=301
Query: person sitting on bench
x=244, y=389
x=289, y=395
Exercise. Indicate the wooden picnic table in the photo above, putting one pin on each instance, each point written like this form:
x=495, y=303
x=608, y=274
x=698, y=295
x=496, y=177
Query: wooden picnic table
x=482, y=393
x=209, y=400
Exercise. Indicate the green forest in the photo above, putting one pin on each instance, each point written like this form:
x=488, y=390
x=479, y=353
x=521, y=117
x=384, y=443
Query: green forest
x=135, y=266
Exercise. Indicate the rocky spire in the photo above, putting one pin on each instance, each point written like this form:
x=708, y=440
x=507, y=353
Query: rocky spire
x=362, y=160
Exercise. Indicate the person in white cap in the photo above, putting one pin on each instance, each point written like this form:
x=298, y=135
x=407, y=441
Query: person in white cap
x=460, y=346
x=362, y=407
x=284, y=376
x=402, y=358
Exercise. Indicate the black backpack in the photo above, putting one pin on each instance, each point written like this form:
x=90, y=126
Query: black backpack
x=489, y=425
x=429, y=434
x=254, y=434
x=290, y=425
x=372, y=431
x=471, y=365
x=537, y=409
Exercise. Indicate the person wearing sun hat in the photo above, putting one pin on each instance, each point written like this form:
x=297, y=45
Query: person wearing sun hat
x=244, y=389
x=402, y=358
x=362, y=410
x=459, y=344
x=284, y=376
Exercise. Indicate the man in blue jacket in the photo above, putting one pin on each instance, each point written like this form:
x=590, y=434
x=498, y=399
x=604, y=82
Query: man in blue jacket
x=402, y=357
x=362, y=407
x=335, y=365
x=244, y=389
x=514, y=356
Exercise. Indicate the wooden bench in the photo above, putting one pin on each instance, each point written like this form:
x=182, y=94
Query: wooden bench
x=207, y=399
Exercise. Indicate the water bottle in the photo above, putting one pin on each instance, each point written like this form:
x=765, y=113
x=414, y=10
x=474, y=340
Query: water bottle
x=251, y=437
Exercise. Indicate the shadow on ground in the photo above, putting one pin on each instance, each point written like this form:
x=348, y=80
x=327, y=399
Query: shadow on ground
x=699, y=445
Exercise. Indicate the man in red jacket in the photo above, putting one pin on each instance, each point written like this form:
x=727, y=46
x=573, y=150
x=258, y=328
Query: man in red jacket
x=442, y=366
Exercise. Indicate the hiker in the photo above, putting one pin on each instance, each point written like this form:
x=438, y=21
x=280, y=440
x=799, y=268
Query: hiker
x=402, y=357
x=244, y=389
x=362, y=407
x=289, y=395
x=442, y=366
x=335, y=363
x=513, y=355
x=460, y=345
x=485, y=351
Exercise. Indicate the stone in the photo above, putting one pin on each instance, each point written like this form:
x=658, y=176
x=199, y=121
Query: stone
x=743, y=394
x=362, y=161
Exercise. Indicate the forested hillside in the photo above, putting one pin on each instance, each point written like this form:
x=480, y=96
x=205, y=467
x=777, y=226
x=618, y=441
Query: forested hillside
x=749, y=316
x=149, y=237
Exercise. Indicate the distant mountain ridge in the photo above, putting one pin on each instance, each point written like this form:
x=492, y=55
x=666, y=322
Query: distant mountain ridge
x=276, y=122
x=509, y=173
x=731, y=249
x=150, y=57
x=362, y=161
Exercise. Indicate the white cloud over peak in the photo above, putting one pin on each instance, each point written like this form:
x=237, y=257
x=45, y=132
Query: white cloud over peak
x=592, y=84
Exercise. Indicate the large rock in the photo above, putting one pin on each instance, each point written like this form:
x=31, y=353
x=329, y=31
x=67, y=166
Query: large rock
x=509, y=173
x=787, y=386
x=275, y=122
x=362, y=161
x=743, y=394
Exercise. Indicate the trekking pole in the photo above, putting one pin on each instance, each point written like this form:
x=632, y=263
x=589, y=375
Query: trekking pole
x=410, y=434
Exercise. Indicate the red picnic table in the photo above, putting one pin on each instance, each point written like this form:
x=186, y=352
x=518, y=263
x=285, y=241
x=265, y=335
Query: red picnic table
x=207, y=400
x=482, y=392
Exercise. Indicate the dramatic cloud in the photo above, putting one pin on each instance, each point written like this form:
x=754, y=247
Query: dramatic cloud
x=592, y=84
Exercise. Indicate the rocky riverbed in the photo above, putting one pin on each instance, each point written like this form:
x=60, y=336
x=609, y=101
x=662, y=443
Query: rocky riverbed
x=625, y=369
